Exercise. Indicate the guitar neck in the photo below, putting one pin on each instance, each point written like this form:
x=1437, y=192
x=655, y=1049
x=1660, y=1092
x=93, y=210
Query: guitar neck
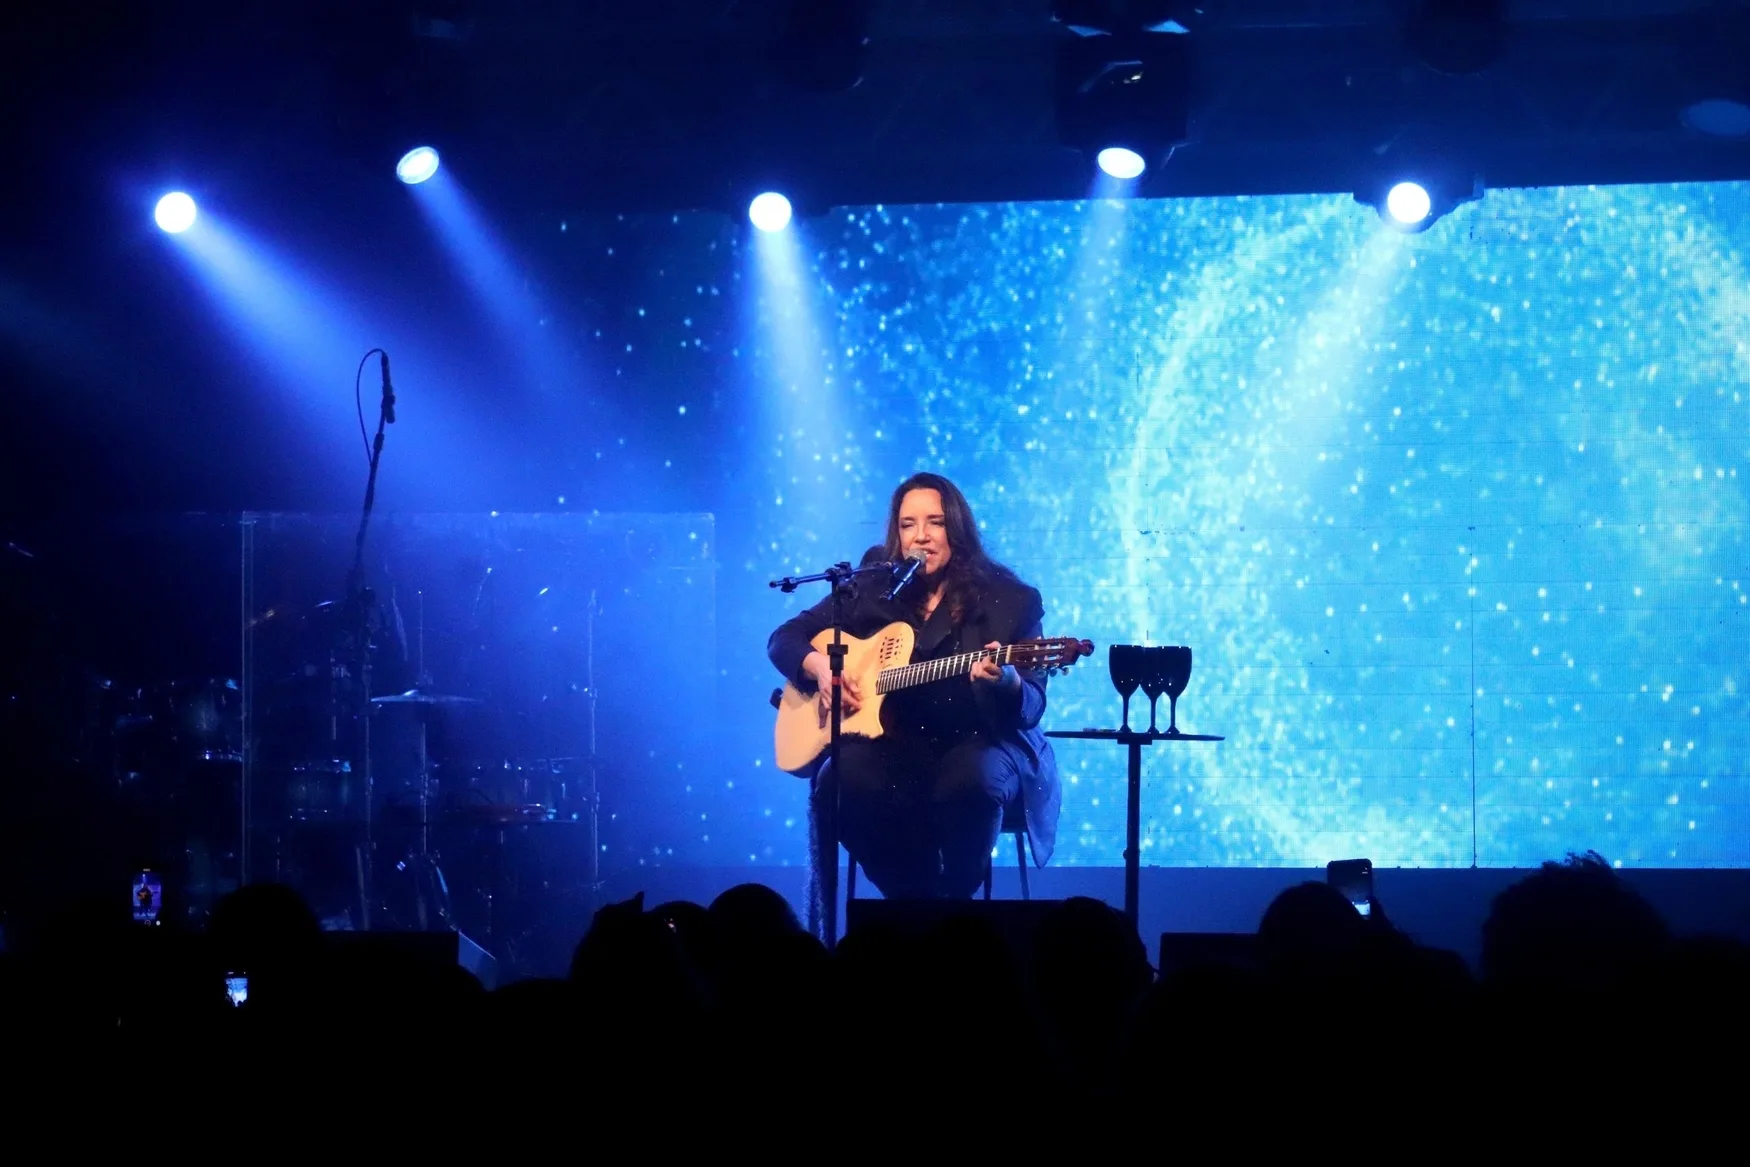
x=922, y=673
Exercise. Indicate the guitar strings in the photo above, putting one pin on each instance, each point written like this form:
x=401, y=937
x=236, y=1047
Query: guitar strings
x=922, y=672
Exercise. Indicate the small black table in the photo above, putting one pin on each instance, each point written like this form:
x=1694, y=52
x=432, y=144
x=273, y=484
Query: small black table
x=1135, y=740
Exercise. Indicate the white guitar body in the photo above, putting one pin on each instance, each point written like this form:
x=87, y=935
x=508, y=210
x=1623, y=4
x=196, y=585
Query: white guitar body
x=881, y=665
x=804, y=729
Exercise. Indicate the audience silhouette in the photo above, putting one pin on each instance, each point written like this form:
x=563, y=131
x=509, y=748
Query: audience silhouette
x=735, y=1004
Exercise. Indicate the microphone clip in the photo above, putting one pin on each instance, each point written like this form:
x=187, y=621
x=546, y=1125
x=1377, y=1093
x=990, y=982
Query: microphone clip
x=388, y=390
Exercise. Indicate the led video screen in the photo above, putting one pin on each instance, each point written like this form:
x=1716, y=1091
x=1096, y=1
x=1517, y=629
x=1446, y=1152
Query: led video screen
x=1454, y=522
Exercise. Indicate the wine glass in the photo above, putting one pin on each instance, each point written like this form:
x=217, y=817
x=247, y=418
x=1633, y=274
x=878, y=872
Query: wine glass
x=1178, y=675
x=1154, y=679
x=1124, y=661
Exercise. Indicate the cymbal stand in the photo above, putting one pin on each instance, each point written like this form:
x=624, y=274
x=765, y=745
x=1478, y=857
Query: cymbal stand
x=591, y=796
x=246, y=711
x=369, y=856
x=421, y=681
x=570, y=792
x=428, y=876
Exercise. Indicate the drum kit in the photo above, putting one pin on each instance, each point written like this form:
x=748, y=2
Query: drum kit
x=393, y=810
x=330, y=760
x=377, y=835
x=173, y=750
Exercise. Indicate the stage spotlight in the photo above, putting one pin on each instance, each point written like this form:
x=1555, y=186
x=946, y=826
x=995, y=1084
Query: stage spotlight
x=417, y=165
x=1411, y=206
x=1122, y=163
x=1408, y=204
x=174, y=213
x=770, y=212
x=1131, y=89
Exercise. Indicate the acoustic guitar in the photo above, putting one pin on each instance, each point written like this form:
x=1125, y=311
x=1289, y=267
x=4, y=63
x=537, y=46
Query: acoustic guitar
x=880, y=666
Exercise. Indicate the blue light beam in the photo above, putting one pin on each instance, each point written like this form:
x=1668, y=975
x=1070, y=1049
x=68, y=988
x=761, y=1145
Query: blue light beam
x=309, y=338
x=500, y=285
x=800, y=422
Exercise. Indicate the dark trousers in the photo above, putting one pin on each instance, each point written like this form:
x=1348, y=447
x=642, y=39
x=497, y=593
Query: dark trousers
x=920, y=817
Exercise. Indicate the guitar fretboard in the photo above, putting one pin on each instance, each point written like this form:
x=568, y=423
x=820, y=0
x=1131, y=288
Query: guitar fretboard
x=924, y=672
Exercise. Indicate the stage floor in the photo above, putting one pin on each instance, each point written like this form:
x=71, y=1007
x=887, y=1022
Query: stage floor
x=1441, y=907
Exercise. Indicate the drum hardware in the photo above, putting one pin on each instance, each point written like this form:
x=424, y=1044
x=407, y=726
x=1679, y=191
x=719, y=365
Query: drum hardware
x=376, y=810
x=168, y=747
x=320, y=791
x=170, y=723
x=557, y=786
x=492, y=814
x=432, y=894
x=417, y=697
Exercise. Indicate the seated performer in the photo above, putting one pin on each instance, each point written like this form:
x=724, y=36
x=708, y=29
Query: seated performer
x=920, y=807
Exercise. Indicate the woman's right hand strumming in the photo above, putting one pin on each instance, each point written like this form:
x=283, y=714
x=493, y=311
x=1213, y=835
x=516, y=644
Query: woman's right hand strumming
x=819, y=668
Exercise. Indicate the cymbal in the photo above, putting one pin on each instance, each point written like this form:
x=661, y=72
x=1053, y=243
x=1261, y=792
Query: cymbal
x=416, y=697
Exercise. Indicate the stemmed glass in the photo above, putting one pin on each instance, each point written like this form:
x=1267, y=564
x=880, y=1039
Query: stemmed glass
x=1177, y=667
x=1154, y=679
x=1124, y=662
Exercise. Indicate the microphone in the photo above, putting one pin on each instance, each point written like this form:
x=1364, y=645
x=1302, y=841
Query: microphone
x=388, y=391
x=908, y=568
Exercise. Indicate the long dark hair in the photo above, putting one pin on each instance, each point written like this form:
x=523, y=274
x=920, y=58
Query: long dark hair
x=970, y=570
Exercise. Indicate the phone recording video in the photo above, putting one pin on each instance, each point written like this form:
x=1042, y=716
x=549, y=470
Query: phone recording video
x=1354, y=878
x=237, y=987
x=148, y=897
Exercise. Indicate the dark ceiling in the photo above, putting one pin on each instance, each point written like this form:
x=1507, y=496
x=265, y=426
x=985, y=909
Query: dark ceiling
x=668, y=103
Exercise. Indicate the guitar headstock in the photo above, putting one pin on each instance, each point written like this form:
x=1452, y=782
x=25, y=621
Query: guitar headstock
x=1051, y=655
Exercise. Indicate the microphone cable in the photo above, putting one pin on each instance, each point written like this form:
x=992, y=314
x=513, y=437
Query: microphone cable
x=358, y=398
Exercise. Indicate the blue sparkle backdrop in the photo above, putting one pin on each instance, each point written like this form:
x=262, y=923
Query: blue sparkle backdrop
x=1454, y=522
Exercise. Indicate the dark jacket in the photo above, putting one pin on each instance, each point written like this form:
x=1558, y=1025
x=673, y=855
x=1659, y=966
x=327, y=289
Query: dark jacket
x=1007, y=612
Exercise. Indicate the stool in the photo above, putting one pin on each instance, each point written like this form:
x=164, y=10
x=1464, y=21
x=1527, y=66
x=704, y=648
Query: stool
x=1014, y=823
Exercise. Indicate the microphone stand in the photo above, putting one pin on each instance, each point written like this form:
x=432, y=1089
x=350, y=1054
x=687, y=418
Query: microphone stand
x=359, y=599
x=827, y=810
